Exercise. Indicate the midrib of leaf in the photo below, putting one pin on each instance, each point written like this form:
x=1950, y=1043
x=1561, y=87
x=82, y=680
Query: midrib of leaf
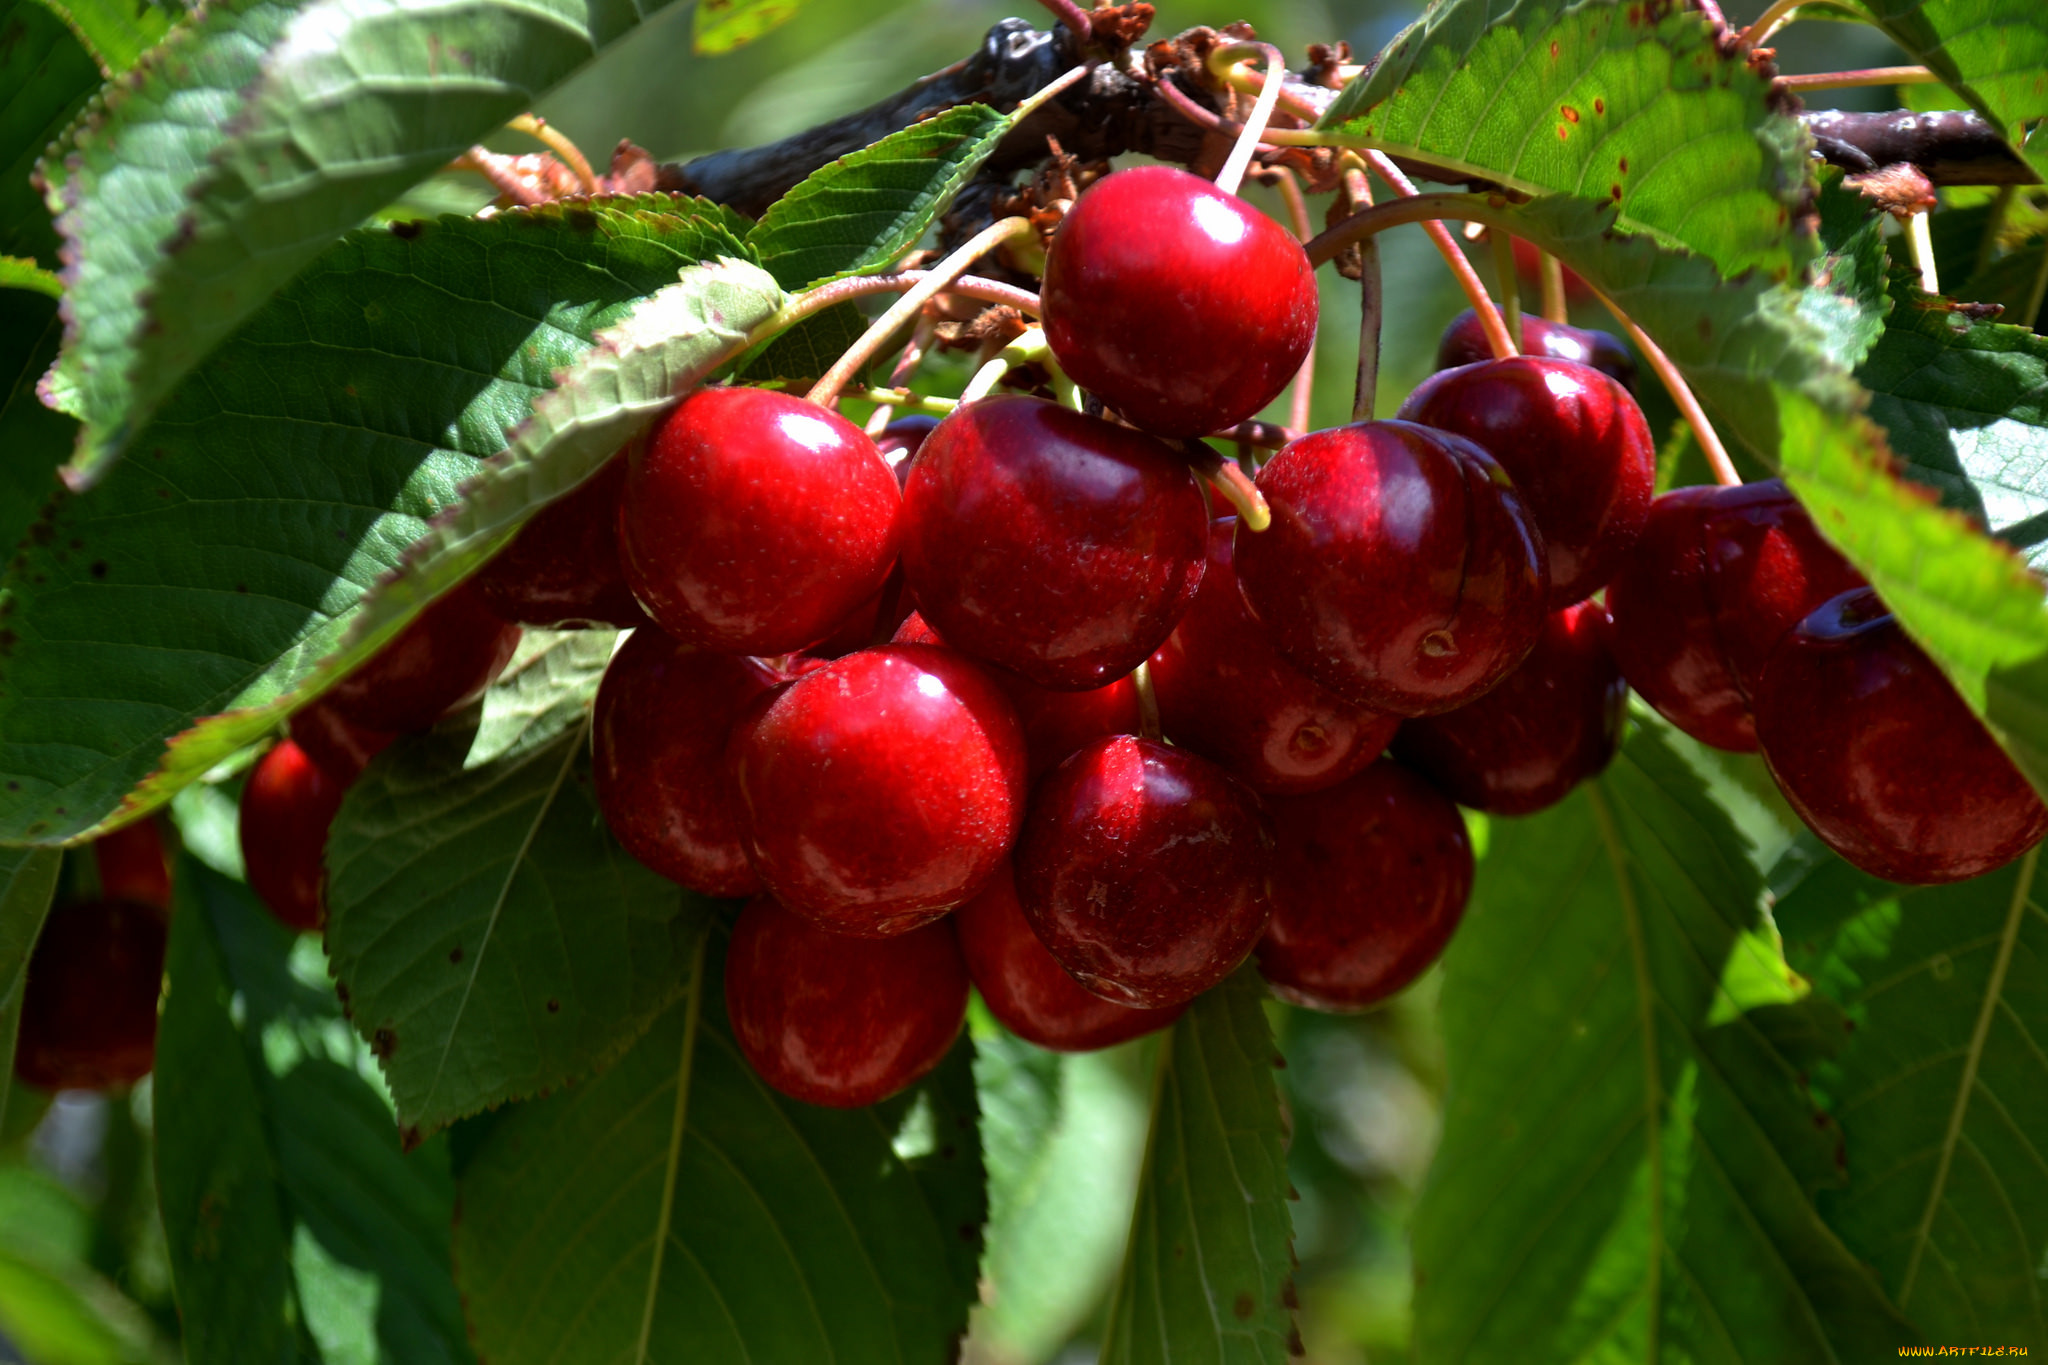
x=1993, y=993
x=675, y=1148
x=1114, y=1313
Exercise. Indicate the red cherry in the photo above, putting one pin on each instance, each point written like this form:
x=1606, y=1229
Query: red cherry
x=563, y=569
x=1717, y=578
x=1464, y=343
x=1184, y=307
x=335, y=742
x=1143, y=870
x=658, y=737
x=1028, y=990
x=901, y=440
x=841, y=1021
x=1550, y=725
x=132, y=866
x=1369, y=883
x=287, y=808
x=754, y=522
x=1057, y=545
x=882, y=790
x=1880, y=756
x=1576, y=446
x=1226, y=693
x=449, y=654
x=1401, y=570
x=88, y=1012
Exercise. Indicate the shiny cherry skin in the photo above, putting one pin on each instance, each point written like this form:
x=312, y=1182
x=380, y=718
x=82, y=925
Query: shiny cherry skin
x=1717, y=578
x=1057, y=545
x=563, y=569
x=1550, y=725
x=1464, y=343
x=1401, y=570
x=132, y=865
x=88, y=1012
x=754, y=522
x=1143, y=870
x=449, y=654
x=1184, y=307
x=658, y=741
x=1370, y=880
x=288, y=806
x=335, y=742
x=1880, y=756
x=1027, y=990
x=1226, y=693
x=882, y=790
x=1055, y=723
x=841, y=1021
x=1576, y=446
x=902, y=439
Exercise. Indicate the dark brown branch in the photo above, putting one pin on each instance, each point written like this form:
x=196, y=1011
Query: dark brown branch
x=1949, y=148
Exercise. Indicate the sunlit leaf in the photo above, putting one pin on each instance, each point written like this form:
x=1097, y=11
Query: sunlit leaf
x=722, y=25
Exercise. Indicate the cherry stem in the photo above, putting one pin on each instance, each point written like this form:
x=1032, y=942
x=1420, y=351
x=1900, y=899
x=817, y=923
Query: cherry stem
x=1873, y=75
x=1768, y=22
x=1550, y=277
x=1498, y=338
x=1504, y=279
x=1228, y=478
x=1922, y=243
x=1371, y=296
x=1221, y=59
x=1302, y=398
x=913, y=352
x=498, y=170
x=1075, y=18
x=1025, y=349
x=1148, y=703
x=2031, y=309
x=1681, y=395
x=936, y=279
x=570, y=155
x=1257, y=435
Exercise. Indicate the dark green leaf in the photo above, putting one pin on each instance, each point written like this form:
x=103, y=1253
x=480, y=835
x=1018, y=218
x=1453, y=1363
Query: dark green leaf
x=493, y=940
x=808, y=349
x=28, y=880
x=69, y=1316
x=1629, y=1163
x=116, y=32
x=722, y=25
x=712, y=1219
x=1209, y=1271
x=47, y=76
x=35, y=439
x=1994, y=53
x=1847, y=300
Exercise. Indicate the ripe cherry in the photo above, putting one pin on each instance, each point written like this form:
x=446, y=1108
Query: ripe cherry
x=1184, y=307
x=1880, y=756
x=88, y=1012
x=335, y=742
x=1716, y=579
x=1464, y=343
x=882, y=790
x=1576, y=446
x=1550, y=725
x=1143, y=870
x=132, y=866
x=1060, y=546
x=658, y=739
x=1369, y=883
x=287, y=808
x=902, y=439
x=754, y=522
x=449, y=653
x=563, y=569
x=1027, y=989
x=1401, y=570
x=1226, y=693
x=841, y=1021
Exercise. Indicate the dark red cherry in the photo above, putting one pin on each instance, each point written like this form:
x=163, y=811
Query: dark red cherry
x=1880, y=756
x=288, y=806
x=882, y=790
x=563, y=569
x=1550, y=725
x=1401, y=570
x=658, y=740
x=1226, y=693
x=841, y=1021
x=901, y=440
x=1060, y=546
x=1369, y=882
x=1576, y=446
x=1716, y=579
x=1184, y=307
x=449, y=654
x=1143, y=870
x=754, y=522
x=335, y=742
x=88, y=1012
x=1028, y=990
x=132, y=865
x=1464, y=343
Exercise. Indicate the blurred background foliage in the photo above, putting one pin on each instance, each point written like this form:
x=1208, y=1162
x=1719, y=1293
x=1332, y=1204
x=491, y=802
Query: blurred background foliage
x=84, y=1279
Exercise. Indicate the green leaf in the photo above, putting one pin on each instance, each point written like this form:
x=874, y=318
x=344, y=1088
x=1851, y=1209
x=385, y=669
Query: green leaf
x=1631, y=104
x=174, y=614
x=1942, y=1089
x=18, y=272
x=719, y=26
x=296, y=1229
x=492, y=939
x=28, y=882
x=1847, y=299
x=1629, y=1164
x=251, y=139
x=1994, y=53
x=808, y=349
x=116, y=32
x=34, y=439
x=866, y=209
x=48, y=76
x=68, y=1316
x=1209, y=1270
x=713, y=1219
